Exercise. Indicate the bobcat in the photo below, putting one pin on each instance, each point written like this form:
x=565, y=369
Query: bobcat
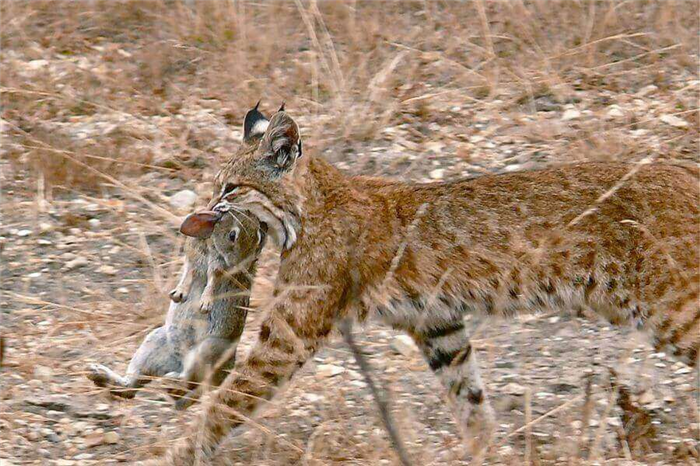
x=619, y=240
x=190, y=346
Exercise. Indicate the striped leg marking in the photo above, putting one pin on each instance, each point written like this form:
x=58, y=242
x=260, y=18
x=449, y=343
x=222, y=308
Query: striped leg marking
x=450, y=355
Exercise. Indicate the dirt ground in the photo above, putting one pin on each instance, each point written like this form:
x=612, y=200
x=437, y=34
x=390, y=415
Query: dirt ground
x=116, y=115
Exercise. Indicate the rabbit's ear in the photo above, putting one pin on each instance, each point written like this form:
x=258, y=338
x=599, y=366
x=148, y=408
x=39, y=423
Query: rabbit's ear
x=200, y=224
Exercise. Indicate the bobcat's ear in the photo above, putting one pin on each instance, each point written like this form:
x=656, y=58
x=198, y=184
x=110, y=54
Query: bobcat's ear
x=282, y=141
x=255, y=124
x=200, y=224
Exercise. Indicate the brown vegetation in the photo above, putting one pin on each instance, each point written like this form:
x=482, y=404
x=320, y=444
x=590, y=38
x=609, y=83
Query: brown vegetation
x=110, y=108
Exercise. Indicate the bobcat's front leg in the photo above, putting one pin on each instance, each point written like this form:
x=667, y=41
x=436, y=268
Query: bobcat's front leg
x=293, y=331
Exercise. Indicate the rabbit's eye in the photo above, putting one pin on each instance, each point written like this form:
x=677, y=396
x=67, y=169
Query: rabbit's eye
x=233, y=235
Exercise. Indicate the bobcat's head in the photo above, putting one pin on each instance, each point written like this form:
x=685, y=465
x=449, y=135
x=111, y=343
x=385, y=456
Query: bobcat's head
x=258, y=179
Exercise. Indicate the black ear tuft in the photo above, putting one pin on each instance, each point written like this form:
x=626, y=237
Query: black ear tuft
x=254, y=124
x=281, y=108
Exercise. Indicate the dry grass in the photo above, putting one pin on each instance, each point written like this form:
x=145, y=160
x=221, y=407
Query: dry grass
x=117, y=105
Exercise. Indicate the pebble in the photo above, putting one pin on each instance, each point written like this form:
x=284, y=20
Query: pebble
x=614, y=111
x=647, y=90
x=514, y=389
x=404, y=345
x=79, y=261
x=94, y=223
x=93, y=440
x=36, y=64
x=107, y=270
x=111, y=437
x=64, y=462
x=329, y=370
x=43, y=372
x=674, y=121
x=183, y=200
x=646, y=398
x=437, y=174
x=23, y=233
x=312, y=397
x=571, y=114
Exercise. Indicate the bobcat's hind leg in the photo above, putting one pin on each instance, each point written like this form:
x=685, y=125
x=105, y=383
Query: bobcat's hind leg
x=450, y=355
x=154, y=358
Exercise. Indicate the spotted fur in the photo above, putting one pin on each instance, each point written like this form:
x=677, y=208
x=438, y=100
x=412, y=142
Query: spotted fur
x=618, y=239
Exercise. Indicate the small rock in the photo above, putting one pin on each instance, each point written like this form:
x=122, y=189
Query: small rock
x=614, y=111
x=674, y=121
x=434, y=146
x=404, y=345
x=514, y=389
x=79, y=261
x=646, y=398
x=613, y=421
x=571, y=114
x=183, y=200
x=437, y=174
x=23, y=233
x=43, y=372
x=111, y=437
x=329, y=370
x=506, y=450
x=107, y=270
x=646, y=90
x=36, y=64
x=683, y=370
x=312, y=397
x=93, y=440
x=94, y=223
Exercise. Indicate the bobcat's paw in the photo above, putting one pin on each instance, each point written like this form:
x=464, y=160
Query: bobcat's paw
x=479, y=424
x=178, y=296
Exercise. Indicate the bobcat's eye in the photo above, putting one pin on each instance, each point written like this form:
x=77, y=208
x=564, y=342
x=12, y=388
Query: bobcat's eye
x=228, y=189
